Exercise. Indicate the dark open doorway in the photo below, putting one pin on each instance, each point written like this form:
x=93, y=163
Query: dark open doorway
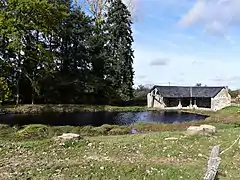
x=204, y=102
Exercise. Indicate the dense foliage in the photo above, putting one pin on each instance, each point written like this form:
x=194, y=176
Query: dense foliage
x=4, y=90
x=51, y=51
x=234, y=93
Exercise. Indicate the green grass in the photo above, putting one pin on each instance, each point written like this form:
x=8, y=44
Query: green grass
x=46, y=108
x=142, y=156
x=108, y=152
x=38, y=131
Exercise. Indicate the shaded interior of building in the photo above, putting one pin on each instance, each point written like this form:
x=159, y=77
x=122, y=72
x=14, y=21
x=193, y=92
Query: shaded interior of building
x=186, y=102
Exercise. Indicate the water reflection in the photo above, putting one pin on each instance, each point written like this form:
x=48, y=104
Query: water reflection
x=100, y=118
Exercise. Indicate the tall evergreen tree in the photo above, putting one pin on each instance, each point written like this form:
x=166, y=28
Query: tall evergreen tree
x=98, y=58
x=73, y=59
x=119, y=65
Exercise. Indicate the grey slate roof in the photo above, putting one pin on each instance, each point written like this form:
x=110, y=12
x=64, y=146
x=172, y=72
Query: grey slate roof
x=184, y=91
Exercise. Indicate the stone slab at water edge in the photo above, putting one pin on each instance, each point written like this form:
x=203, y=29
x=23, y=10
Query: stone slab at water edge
x=183, y=97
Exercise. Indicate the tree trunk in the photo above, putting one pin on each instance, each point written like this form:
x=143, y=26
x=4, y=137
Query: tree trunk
x=33, y=97
x=18, y=78
x=17, y=99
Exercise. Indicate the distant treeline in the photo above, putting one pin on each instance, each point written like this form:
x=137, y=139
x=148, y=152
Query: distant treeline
x=234, y=93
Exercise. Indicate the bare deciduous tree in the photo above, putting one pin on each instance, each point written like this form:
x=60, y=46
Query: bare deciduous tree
x=97, y=7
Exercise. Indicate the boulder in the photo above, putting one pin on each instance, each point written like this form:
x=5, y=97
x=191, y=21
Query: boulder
x=68, y=136
x=193, y=130
x=202, y=129
x=208, y=128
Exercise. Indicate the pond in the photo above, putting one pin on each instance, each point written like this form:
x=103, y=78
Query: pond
x=100, y=118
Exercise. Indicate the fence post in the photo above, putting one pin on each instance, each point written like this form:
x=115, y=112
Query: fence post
x=213, y=164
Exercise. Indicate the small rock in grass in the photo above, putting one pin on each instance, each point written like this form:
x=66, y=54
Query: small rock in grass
x=134, y=131
x=171, y=138
x=68, y=136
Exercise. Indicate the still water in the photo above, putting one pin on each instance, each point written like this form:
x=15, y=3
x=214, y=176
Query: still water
x=100, y=118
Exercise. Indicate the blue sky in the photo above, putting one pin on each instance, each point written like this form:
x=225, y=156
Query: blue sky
x=185, y=42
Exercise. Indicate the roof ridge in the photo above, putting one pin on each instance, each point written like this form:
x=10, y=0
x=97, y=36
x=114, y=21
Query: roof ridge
x=191, y=86
x=189, y=91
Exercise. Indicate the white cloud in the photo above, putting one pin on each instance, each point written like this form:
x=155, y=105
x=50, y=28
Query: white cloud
x=215, y=15
x=194, y=15
x=215, y=28
x=160, y=62
x=195, y=62
x=231, y=81
x=231, y=40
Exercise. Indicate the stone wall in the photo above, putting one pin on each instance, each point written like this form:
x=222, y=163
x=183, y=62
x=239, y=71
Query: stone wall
x=158, y=102
x=223, y=99
x=149, y=100
x=155, y=100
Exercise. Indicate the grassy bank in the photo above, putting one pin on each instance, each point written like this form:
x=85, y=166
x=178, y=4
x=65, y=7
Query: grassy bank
x=38, y=131
x=110, y=152
x=142, y=156
x=47, y=108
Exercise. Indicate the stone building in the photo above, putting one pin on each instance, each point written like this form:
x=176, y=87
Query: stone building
x=214, y=98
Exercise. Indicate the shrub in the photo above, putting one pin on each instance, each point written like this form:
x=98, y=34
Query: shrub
x=4, y=90
x=119, y=131
x=104, y=129
x=86, y=131
x=33, y=131
x=6, y=131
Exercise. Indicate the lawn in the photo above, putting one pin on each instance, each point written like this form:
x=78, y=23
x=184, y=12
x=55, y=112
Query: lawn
x=141, y=156
x=31, y=153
